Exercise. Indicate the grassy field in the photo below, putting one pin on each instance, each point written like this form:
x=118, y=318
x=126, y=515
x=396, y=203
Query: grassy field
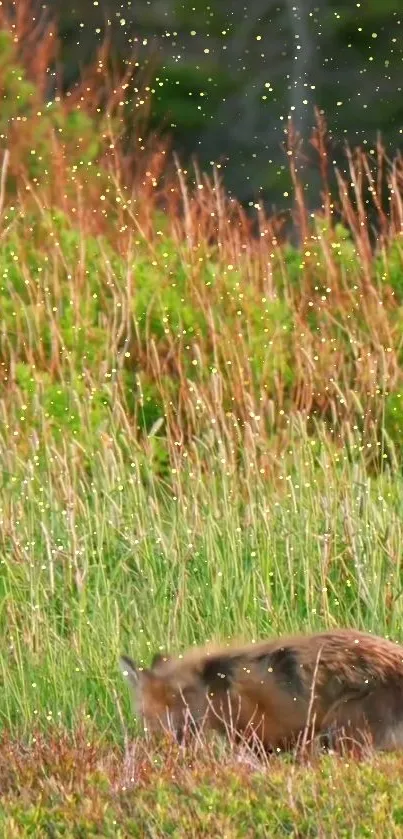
x=200, y=438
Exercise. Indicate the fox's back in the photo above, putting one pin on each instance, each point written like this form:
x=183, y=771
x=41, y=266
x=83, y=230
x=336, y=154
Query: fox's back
x=350, y=654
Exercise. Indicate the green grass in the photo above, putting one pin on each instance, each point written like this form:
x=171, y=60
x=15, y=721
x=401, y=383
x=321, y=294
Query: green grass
x=200, y=438
x=93, y=565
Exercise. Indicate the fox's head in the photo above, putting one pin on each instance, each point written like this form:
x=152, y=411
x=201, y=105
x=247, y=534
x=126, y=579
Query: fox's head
x=167, y=696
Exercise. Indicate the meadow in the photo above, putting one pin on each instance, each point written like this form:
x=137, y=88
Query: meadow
x=200, y=438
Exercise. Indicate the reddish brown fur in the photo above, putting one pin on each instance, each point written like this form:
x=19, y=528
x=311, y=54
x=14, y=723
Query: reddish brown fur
x=273, y=689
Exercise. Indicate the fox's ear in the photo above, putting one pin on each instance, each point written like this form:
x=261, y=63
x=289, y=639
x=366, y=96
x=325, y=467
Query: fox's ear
x=130, y=670
x=159, y=658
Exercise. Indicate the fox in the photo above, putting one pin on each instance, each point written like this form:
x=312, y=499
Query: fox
x=339, y=682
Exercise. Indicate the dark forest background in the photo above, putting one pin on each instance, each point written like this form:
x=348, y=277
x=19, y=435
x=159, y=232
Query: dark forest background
x=227, y=75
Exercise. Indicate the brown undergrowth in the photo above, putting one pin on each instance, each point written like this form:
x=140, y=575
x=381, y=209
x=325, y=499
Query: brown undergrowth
x=232, y=328
x=67, y=783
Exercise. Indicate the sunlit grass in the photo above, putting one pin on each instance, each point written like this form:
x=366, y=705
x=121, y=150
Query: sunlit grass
x=93, y=565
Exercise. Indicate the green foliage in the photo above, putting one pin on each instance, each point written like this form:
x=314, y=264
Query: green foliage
x=59, y=404
x=344, y=249
x=162, y=302
x=18, y=94
x=293, y=265
x=31, y=126
x=393, y=419
x=390, y=269
x=188, y=96
x=270, y=328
